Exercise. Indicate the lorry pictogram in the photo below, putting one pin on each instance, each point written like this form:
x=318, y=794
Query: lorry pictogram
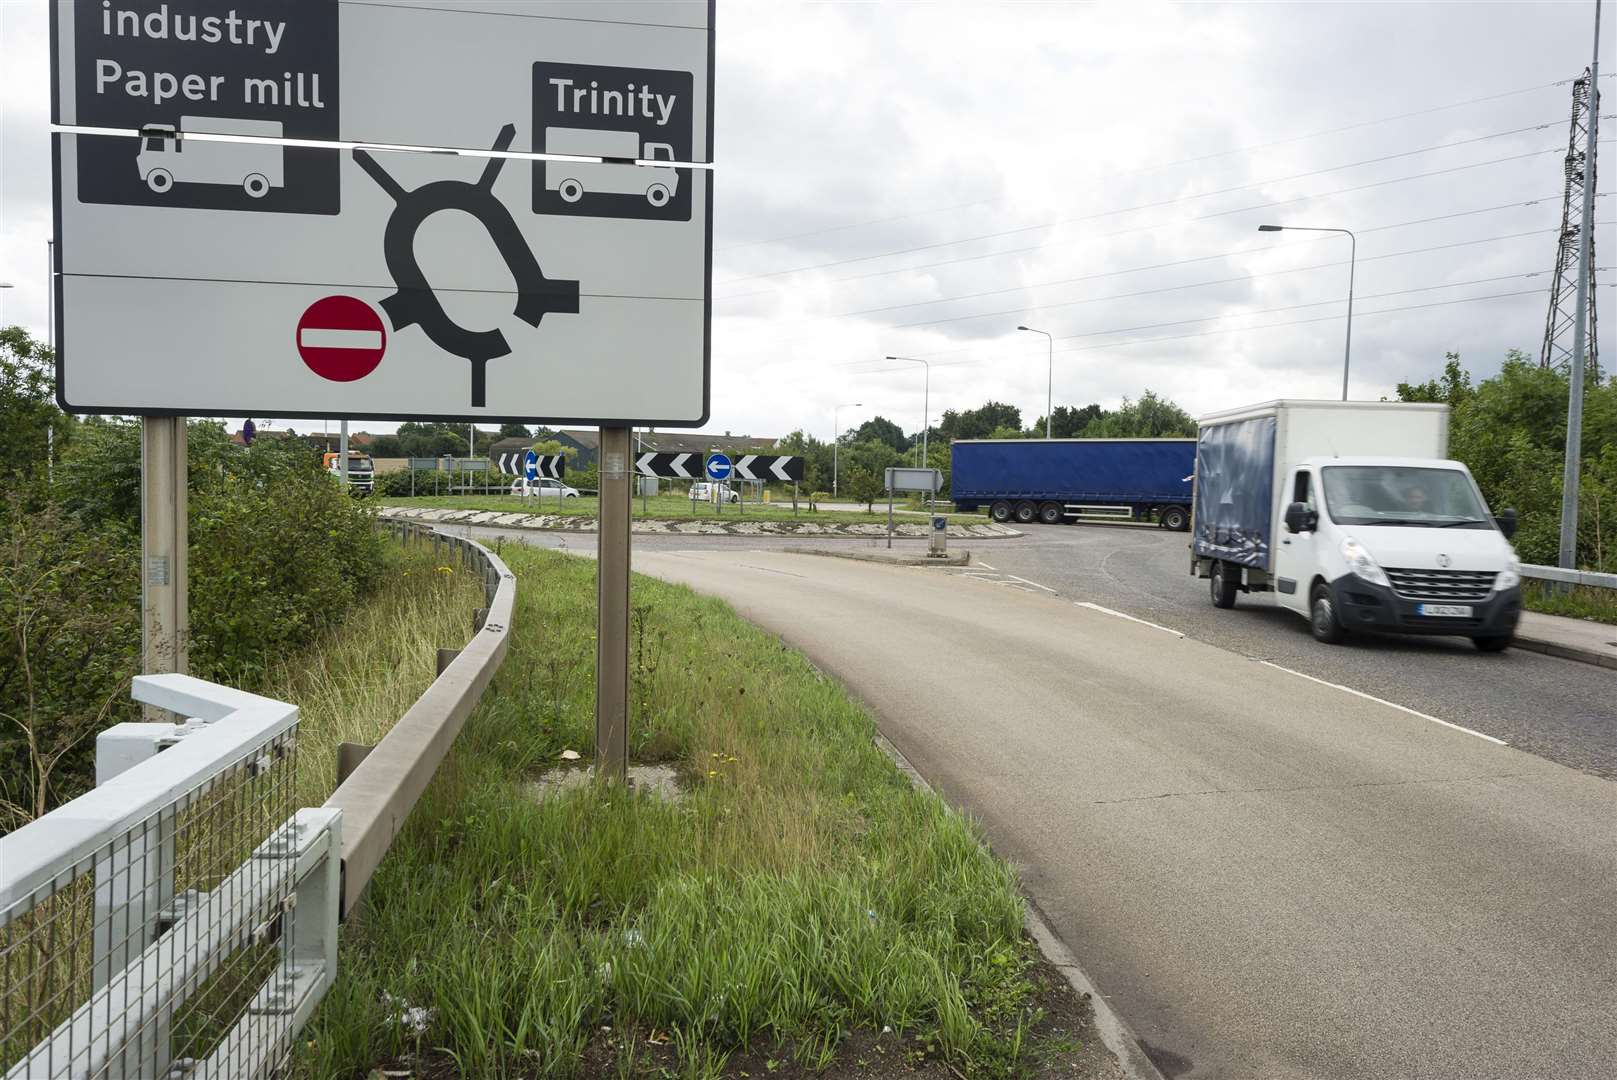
x=415, y=304
x=167, y=158
x=619, y=175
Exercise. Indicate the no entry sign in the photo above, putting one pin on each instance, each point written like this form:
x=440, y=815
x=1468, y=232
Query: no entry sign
x=341, y=338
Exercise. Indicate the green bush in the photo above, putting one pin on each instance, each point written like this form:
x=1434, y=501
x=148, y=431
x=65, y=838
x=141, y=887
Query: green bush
x=396, y=485
x=277, y=554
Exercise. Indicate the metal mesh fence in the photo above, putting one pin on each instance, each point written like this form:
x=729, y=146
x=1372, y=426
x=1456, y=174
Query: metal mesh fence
x=144, y=953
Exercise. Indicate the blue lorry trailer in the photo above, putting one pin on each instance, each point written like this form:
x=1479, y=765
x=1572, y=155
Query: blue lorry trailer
x=1059, y=480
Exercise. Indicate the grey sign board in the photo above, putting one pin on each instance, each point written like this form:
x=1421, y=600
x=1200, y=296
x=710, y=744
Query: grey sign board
x=924, y=480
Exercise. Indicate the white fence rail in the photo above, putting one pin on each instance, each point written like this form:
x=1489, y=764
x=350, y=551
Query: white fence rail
x=180, y=919
x=1588, y=578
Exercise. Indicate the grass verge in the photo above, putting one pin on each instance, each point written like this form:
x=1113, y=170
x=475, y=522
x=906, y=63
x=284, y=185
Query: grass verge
x=1579, y=602
x=668, y=508
x=356, y=680
x=799, y=907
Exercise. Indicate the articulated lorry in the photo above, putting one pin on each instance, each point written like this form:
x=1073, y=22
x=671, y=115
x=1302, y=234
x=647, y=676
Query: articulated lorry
x=1059, y=480
x=1351, y=514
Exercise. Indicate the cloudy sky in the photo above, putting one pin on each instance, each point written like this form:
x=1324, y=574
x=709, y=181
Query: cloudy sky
x=920, y=178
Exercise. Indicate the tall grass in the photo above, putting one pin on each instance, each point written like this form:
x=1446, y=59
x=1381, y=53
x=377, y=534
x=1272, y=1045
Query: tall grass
x=1578, y=602
x=355, y=680
x=799, y=889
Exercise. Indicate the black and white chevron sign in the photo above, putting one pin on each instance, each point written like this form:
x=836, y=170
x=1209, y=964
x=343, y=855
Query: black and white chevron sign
x=671, y=466
x=510, y=464
x=769, y=467
x=553, y=466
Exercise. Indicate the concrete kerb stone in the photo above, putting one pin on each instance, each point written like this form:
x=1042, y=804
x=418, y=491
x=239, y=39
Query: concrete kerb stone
x=1115, y=1032
x=675, y=527
x=891, y=558
x=1565, y=652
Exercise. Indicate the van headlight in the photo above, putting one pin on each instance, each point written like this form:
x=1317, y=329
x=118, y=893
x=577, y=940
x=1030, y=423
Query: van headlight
x=1509, y=577
x=1361, y=564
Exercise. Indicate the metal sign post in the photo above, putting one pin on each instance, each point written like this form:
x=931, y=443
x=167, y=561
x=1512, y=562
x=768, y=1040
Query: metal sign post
x=165, y=611
x=612, y=608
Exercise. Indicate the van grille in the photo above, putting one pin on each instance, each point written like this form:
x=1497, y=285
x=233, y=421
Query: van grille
x=1441, y=584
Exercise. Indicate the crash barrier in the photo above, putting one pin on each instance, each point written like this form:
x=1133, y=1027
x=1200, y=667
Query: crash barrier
x=182, y=917
x=1587, y=578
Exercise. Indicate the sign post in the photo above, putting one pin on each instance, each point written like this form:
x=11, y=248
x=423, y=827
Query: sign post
x=612, y=608
x=165, y=612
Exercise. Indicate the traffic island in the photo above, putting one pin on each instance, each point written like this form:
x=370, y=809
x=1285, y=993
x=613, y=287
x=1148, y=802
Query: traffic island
x=891, y=558
x=740, y=526
x=797, y=909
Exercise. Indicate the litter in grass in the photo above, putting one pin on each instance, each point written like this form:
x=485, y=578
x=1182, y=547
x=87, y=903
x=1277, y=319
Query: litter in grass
x=660, y=780
x=415, y=1018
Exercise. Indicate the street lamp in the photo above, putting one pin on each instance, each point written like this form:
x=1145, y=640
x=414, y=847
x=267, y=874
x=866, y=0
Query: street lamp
x=1353, y=256
x=1049, y=386
x=926, y=400
x=836, y=439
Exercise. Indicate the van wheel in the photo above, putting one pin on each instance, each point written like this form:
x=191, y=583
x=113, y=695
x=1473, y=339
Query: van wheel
x=1224, y=583
x=160, y=181
x=570, y=191
x=657, y=195
x=256, y=185
x=1494, y=644
x=1322, y=617
x=1000, y=511
x=1026, y=512
x=1175, y=518
x=1050, y=513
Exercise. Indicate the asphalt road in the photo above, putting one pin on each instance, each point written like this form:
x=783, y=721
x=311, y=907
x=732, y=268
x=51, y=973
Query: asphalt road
x=1269, y=877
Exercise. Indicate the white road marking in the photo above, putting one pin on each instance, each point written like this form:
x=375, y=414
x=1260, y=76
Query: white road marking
x=1035, y=584
x=1130, y=618
x=1383, y=701
x=311, y=337
x=985, y=566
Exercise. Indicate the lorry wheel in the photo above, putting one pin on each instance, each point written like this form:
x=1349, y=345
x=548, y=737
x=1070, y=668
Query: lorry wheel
x=256, y=185
x=1322, y=617
x=1494, y=644
x=1026, y=512
x=1175, y=518
x=160, y=181
x=570, y=191
x=1050, y=513
x=1000, y=511
x=1224, y=582
x=657, y=195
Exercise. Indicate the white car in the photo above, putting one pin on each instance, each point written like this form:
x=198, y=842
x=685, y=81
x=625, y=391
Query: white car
x=542, y=487
x=706, y=492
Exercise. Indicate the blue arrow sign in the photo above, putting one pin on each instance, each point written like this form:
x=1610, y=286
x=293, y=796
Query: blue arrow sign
x=530, y=466
x=718, y=467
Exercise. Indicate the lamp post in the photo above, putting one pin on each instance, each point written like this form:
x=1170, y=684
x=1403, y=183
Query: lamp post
x=1050, y=382
x=926, y=400
x=836, y=439
x=1353, y=256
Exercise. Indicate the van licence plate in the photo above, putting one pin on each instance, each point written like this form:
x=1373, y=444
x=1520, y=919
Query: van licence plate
x=1460, y=611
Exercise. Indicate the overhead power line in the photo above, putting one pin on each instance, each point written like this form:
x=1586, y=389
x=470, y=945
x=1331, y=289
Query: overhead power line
x=1160, y=167
x=1169, y=202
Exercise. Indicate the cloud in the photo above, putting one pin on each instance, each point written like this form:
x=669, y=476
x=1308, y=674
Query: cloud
x=916, y=155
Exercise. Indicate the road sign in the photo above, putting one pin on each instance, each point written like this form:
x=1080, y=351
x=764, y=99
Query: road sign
x=925, y=480
x=341, y=338
x=530, y=465
x=770, y=467
x=672, y=466
x=500, y=291
x=718, y=467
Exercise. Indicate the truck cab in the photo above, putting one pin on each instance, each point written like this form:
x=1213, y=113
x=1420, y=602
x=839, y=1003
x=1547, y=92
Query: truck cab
x=361, y=471
x=1399, y=545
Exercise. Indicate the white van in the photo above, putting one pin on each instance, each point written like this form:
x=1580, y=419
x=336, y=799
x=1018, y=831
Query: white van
x=1350, y=514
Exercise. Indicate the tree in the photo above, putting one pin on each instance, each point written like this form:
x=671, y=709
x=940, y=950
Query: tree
x=1151, y=417
x=28, y=411
x=1453, y=388
x=515, y=431
x=865, y=468
x=431, y=440
x=979, y=423
x=816, y=457
x=1069, y=422
x=387, y=446
x=882, y=430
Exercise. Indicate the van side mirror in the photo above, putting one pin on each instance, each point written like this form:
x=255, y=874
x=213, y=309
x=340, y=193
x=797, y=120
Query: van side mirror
x=1299, y=518
x=1507, y=521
